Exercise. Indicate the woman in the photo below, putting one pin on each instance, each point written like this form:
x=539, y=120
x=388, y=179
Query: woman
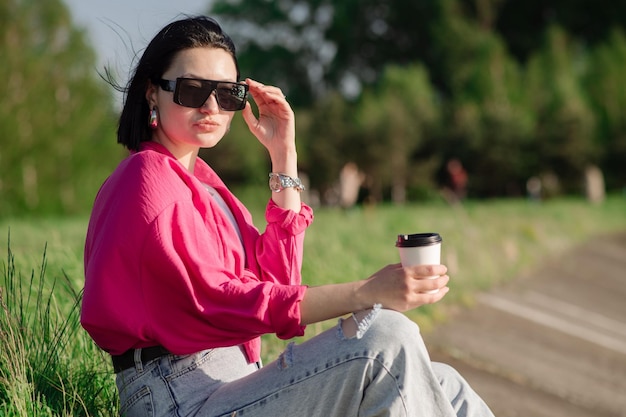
x=180, y=285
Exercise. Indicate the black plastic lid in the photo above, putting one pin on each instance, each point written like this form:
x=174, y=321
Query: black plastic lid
x=418, y=239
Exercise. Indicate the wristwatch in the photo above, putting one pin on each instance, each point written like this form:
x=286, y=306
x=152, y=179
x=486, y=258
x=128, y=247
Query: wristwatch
x=279, y=182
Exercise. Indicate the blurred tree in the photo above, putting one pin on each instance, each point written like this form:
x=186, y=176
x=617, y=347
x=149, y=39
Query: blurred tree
x=564, y=138
x=55, y=119
x=311, y=47
x=490, y=121
x=382, y=133
x=606, y=85
x=504, y=109
x=392, y=122
x=523, y=23
x=325, y=138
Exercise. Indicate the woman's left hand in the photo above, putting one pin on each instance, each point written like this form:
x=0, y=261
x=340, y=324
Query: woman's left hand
x=275, y=126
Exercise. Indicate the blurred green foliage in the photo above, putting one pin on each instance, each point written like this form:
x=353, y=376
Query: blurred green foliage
x=56, y=118
x=513, y=90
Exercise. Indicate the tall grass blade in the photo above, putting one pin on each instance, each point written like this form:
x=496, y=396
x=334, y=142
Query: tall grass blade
x=48, y=365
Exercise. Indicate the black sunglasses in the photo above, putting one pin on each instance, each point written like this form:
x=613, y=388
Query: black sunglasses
x=193, y=92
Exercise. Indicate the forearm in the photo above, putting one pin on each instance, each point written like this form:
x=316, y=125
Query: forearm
x=330, y=301
x=394, y=287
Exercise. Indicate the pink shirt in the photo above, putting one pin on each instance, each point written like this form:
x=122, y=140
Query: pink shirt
x=165, y=266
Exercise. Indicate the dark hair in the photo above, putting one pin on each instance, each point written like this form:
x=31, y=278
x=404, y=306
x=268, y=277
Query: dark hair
x=191, y=32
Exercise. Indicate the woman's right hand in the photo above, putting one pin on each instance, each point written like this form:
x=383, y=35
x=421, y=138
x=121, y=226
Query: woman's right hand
x=395, y=287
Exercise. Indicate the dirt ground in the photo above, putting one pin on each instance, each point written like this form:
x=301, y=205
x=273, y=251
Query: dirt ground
x=551, y=343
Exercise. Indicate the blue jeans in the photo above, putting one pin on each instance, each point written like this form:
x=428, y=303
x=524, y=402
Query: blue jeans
x=384, y=371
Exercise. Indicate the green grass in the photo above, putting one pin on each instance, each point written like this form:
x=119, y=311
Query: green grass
x=50, y=367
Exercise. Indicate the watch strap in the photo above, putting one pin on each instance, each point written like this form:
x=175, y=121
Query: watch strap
x=279, y=182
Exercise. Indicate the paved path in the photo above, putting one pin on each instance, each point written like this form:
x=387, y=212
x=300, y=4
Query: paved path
x=551, y=343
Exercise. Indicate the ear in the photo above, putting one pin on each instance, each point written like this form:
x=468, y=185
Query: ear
x=151, y=94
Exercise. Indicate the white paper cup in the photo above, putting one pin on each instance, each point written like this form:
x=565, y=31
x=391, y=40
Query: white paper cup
x=420, y=249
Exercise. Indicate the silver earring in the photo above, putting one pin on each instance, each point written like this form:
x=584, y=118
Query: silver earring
x=153, y=119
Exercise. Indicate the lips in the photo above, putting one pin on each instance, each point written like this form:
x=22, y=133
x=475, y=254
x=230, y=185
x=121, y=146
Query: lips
x=206, y=125
x=206, y=122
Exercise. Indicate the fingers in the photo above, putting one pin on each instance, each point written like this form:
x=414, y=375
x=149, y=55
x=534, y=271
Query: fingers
x=407, y=288
x=249, y=117
x=429, y=279
x=433, y=285
x=275, y=115
x=427, y=270
x=274, y=125
x=426, y=284
x=265, y=94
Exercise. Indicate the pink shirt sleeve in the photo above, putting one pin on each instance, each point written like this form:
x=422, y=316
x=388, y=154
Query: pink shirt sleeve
x=279, y=250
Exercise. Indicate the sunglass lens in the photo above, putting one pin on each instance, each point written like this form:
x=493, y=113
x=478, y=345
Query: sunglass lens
x=231, y=97
x=193, y=93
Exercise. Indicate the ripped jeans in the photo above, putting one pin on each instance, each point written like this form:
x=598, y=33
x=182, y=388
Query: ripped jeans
x=384, y=370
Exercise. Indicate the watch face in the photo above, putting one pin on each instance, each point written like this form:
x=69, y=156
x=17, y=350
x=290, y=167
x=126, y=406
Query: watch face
x=275, y=184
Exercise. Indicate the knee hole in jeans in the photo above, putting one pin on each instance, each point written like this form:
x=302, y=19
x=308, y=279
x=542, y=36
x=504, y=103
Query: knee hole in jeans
x=358, y=324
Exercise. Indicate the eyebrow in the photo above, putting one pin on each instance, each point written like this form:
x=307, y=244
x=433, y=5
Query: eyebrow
x=190, y=75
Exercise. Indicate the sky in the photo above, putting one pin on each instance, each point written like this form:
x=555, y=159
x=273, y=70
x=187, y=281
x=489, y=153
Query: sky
x=119, y=28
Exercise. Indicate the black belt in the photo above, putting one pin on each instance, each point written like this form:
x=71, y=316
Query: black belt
x=127, y=359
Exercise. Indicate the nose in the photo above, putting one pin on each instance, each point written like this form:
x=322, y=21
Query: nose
x=210, y=105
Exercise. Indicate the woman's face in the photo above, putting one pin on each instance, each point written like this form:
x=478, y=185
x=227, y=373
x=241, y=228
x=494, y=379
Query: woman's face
x=184, y=129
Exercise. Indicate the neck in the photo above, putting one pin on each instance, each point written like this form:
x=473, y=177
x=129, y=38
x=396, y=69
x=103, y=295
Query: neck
x=188, y=160
x=186, y=155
